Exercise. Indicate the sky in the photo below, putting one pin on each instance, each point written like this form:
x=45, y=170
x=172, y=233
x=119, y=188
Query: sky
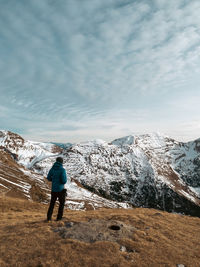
x=77, y=70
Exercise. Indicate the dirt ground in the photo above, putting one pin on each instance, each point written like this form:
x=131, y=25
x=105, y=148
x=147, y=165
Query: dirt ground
x=105, y=237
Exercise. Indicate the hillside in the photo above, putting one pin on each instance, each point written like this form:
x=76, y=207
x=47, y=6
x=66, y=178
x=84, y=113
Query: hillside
x=143, y=237
x=17, y=180
x=149, y=170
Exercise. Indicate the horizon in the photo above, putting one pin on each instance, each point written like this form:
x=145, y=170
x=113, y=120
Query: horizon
x=94, y=139
x=81, y=70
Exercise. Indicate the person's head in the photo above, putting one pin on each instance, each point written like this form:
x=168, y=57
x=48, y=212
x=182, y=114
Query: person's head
x=59, y=159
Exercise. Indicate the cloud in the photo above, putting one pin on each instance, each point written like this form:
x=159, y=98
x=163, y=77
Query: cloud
x=80, y=61
x=185, y=131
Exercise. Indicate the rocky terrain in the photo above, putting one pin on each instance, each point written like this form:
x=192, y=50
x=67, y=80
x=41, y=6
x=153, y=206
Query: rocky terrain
x=146, y=171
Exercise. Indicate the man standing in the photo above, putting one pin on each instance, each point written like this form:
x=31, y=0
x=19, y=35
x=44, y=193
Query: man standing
x=57, y=175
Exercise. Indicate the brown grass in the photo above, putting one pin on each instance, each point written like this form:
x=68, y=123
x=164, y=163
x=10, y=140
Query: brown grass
x=159, y=239
x=11, y=174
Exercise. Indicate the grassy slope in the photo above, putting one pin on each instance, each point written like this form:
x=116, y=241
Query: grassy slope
x=160, y=238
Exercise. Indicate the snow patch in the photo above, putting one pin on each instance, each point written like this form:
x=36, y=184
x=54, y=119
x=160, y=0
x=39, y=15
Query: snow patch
x=196, y=190
x=127, y=140
x=187, y=195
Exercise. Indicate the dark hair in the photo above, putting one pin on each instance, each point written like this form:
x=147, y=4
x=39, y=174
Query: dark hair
x=59, y=159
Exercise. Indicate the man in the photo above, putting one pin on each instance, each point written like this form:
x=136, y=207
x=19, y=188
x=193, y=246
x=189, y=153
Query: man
x=57, y=175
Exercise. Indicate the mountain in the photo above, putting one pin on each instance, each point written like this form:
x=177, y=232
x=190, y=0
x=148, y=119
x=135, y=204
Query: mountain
x=24, y=166
x=25, y=152
x=63, y=145
x=149, y=170
x=146, y=170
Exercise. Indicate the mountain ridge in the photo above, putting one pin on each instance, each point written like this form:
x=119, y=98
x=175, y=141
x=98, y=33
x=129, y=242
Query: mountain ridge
x=24, y=166
x=143, y=170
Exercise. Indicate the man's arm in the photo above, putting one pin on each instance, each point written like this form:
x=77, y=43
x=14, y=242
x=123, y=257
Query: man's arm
x=63, y=177
x=49, y=176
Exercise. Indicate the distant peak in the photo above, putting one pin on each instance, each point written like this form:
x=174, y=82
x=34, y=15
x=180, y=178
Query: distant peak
x=127, y=140
x=94, y=142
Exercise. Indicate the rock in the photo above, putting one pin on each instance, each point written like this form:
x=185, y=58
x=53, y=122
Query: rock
x=123, y=248
x=95, y=230
x=69, y=224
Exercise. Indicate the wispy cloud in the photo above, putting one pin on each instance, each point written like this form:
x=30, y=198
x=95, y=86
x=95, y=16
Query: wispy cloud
x=68, y=62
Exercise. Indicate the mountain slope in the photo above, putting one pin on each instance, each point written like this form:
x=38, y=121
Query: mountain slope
x=18, y=182
x=25, y=152
x=146, y=170
x=23, y=169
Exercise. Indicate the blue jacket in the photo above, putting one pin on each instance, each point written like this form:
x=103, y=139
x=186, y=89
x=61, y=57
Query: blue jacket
x=57, y=175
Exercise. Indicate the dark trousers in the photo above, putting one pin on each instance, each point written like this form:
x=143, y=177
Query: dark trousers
x=61, y=197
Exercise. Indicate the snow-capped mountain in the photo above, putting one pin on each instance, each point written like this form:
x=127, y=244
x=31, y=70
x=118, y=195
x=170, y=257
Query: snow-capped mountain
x=23, y=169
x=144, y=170
x=148, y=170
x=27, y=153
x=63, y=145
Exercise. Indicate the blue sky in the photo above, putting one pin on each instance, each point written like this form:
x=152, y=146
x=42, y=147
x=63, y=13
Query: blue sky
x=75, y=70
